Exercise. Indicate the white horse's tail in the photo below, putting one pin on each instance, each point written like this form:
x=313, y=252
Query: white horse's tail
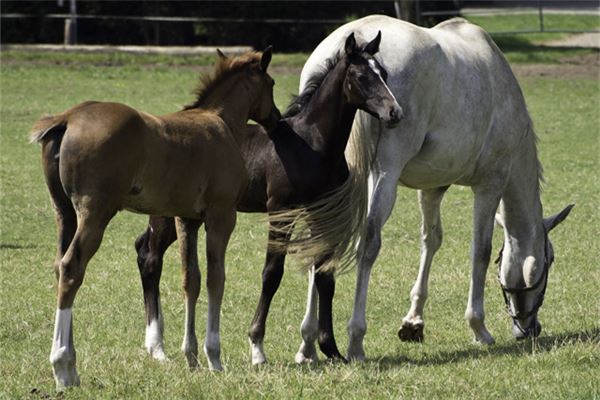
x=333, y=225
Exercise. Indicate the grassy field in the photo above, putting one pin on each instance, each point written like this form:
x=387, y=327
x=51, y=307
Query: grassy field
x=109, y=321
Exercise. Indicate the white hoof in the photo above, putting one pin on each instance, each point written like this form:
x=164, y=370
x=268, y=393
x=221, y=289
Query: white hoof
x=306, y=354
x=258, y=354
x=65, y=373
x=157, y=353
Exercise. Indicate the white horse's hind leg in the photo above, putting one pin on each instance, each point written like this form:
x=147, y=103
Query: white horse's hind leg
x=382, y=203
x=486, y=203
x=431, y=240
x=310, y=324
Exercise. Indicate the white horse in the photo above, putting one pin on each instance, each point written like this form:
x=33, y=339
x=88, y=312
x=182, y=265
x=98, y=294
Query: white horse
x=465, y=122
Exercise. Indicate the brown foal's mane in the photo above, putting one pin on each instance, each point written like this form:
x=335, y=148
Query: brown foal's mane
x=224, y=69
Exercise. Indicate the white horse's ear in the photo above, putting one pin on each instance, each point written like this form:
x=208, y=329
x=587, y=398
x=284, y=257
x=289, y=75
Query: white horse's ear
x=500, y=221
x=350, y=45
x=373, y=47
x=551, y=222
x=221, y=55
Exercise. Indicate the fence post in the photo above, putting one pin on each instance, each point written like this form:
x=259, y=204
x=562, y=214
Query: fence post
x=541, y=14
x=70, y=33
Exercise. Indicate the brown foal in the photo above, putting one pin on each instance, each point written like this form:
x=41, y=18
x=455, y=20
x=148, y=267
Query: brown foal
x=100, y=158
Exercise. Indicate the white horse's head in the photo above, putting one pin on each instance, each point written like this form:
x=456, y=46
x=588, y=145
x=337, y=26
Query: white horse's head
x=523, y=278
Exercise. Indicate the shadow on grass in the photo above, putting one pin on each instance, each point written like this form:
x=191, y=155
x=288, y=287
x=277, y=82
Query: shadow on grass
x=519, y=49
x=542, y=345
x=10, y=246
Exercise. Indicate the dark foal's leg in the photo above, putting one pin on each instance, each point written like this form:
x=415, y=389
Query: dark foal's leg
x=151, y=247
x=325, y=282
x=271, y=278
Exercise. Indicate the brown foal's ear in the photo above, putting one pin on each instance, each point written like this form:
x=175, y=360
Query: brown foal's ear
x=221, y=55
x=373, y=46
x=266, y=58
x=350, y=45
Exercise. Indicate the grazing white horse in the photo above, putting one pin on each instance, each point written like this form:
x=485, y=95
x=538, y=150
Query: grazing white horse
x=465, y=122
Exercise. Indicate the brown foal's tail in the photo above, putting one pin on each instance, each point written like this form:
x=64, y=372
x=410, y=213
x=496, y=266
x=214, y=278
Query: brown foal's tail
x=54, y=125
x=49, y=132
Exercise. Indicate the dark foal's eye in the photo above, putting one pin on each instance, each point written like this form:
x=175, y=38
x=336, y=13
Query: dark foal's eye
x=384, y=74
x=363, y=79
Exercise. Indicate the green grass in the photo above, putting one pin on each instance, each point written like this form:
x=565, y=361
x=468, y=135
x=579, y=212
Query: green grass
x=109, y=317
x=531, y=21
x=529, y=47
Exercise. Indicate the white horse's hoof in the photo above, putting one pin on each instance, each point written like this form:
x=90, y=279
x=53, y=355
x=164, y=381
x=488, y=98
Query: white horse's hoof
x=411, y=331
x=215, y=365
x=65, y=377
x=356, y=353
x=484, y=338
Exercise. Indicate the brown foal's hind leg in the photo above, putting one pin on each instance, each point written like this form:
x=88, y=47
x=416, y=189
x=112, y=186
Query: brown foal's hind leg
x=151, y=247
x=71, y=271
x=187, y=233
x=66, y=220
x=219, y=225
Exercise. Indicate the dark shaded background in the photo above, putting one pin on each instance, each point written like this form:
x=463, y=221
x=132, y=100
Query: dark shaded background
x=284, y=36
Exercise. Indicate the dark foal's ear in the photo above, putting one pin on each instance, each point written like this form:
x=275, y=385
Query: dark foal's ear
x=266, y=58
x=551, y=222
x=350, y=46
x=221, y=55
x=373, y=46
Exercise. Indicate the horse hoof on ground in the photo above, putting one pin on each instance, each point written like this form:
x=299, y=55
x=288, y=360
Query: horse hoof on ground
x=356, y=353
x=158, y=354
x=484, y=339
x=337, y=359
x=302, y=358
x=410, y=332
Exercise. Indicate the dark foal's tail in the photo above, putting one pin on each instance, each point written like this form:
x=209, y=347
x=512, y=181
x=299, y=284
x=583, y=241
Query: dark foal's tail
x=49, y=132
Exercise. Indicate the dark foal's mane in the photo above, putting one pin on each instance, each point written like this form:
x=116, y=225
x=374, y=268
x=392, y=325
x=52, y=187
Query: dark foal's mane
x=314, y=82
x=224, y=68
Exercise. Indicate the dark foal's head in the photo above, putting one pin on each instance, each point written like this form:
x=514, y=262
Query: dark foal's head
x=365, y=83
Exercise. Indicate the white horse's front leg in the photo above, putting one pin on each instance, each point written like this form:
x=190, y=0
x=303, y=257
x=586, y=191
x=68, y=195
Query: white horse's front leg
x=431, y=240
x=486, y=203
x=382, y=203
x=310, y=324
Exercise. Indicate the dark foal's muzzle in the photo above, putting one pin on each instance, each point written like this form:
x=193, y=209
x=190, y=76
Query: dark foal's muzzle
x=272, y=120
x=395, y=115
